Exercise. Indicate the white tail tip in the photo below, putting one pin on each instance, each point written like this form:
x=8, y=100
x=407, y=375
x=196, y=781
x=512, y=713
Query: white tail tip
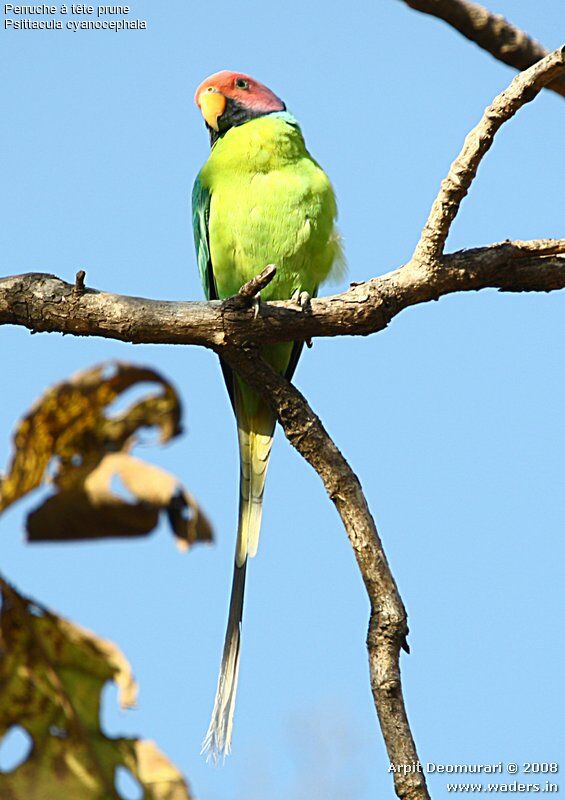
x=217, y=742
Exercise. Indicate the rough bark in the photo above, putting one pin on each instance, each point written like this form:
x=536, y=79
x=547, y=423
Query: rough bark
x=45, y=303
x=492, y=32
x=523, y=89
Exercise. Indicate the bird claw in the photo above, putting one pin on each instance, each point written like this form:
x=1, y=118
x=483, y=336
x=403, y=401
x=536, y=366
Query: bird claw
x=256, y=304
x=302, y=300
x=305, y=302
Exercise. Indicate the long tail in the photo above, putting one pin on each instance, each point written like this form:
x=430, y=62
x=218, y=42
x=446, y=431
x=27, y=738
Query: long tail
x=255, y=432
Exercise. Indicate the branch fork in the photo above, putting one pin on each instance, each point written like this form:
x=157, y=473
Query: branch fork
x=41, y=302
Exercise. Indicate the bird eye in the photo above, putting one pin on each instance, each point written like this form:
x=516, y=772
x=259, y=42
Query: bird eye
x=241, y=83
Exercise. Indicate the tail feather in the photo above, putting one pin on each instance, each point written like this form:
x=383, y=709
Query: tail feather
x=255, y=440
x=255, y=449
x=217, y=741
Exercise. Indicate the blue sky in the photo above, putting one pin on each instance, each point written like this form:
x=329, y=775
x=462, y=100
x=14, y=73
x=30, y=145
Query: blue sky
x=452, y=417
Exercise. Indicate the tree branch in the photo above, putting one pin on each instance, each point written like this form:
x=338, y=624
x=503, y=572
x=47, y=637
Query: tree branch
x=492, y=32
x=43, y=302
x=46, y=303
x=455, y=186
x=388, y=622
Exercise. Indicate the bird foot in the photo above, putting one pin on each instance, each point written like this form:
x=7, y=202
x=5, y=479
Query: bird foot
x=302, y=300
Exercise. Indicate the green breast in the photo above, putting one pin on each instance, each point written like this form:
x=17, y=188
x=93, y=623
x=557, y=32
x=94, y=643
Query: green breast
x=270, y=204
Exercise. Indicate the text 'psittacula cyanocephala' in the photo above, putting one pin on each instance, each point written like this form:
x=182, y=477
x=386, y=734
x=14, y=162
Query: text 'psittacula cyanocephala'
x=259, y=199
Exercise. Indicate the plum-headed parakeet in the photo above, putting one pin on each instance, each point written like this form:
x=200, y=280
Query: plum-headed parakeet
x=259, y=199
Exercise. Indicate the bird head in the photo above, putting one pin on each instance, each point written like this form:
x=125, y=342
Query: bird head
x=227, y=99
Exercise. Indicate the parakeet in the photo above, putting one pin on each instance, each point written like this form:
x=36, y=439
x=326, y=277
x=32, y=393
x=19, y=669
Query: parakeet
x=259, y=199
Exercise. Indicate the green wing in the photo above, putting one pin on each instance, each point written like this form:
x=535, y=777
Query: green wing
x=201, y=197
x=200, y=217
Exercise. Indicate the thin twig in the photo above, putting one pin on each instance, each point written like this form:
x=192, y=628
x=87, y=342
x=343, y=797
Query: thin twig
x=258, y=283
x=455, y=186
x=79, y=282
x=492, y=32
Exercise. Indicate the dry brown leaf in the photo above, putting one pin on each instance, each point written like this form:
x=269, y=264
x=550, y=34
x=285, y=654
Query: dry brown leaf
x=69, y=423
x=51, y=675
x=70, y=433
x=93, y=510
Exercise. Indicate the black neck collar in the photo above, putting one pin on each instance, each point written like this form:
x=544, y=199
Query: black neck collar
x=235, y=115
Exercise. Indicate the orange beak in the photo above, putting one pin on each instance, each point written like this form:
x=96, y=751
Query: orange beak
x=212, y=105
